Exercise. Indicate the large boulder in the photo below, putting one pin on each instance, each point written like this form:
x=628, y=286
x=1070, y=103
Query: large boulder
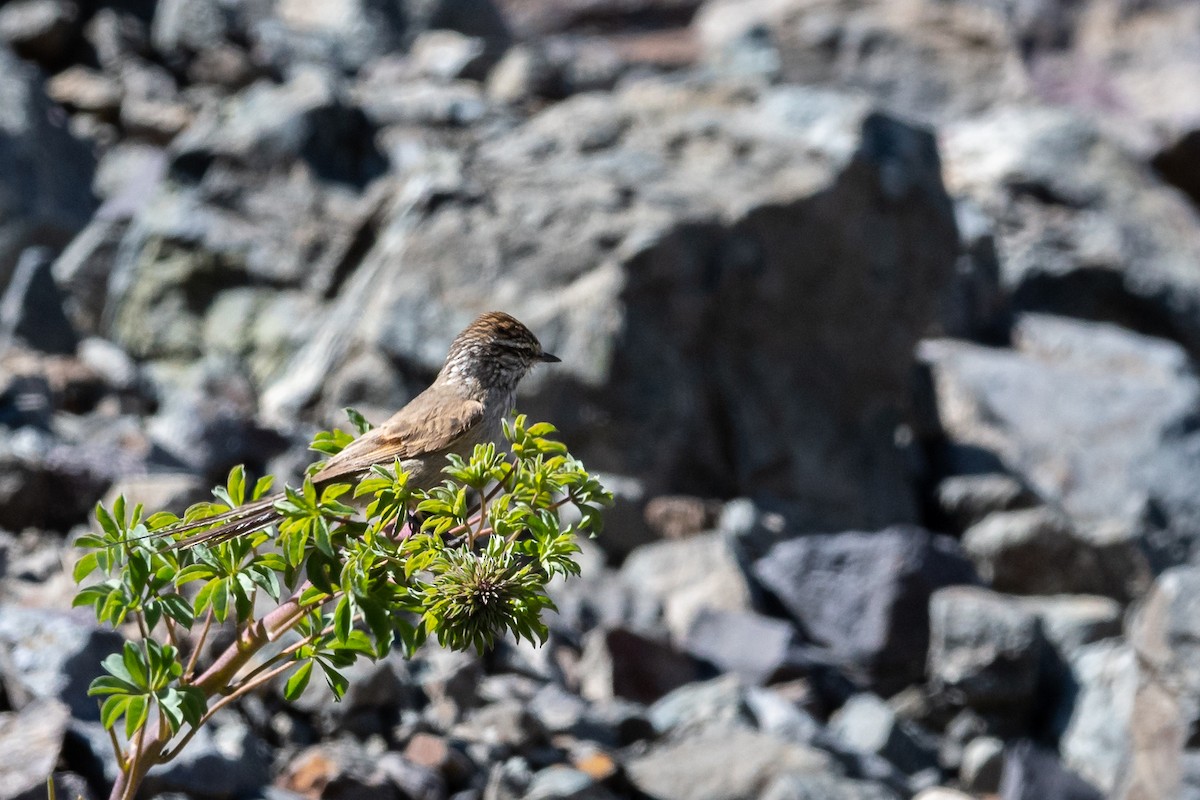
x=865, y=596
x=753, y=340
x=1097, y=420
x=1084, y=227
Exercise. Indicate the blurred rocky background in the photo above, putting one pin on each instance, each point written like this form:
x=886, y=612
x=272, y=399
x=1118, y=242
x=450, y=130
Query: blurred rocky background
x=879, y=316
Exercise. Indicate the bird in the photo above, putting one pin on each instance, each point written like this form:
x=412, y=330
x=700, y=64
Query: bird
x=464, y=406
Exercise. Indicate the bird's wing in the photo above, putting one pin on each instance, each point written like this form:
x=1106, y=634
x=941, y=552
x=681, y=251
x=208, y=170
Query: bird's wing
x=432, y=422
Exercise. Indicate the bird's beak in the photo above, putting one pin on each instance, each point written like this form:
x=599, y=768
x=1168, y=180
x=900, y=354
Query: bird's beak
x=550, y=359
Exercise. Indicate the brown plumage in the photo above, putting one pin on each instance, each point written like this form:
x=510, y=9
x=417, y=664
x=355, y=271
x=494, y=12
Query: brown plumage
x=463, y=407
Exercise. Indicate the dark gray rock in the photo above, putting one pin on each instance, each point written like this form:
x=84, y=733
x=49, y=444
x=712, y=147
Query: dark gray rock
x=985, y=649
x=45, y=174
x=720, y=764
x=758, y=648
x=39, y=30
x=31, y=309
x=621, y=663
x=866, y=724
x=51, y=655
x=1031, y=773
x=51, y=484
x=31, y=741
x=865, y=596
x=1039, y=551
x=224, y=760
x=1086, y=228
x=1092, y=417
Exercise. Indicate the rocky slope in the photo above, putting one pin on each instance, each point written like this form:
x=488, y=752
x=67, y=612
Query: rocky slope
x=879, y=317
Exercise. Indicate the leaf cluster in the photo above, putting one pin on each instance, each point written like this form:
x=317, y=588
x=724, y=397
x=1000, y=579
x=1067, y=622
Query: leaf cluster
x=464, y=562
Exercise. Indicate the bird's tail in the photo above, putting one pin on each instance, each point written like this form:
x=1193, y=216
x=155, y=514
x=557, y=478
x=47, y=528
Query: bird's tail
x=233, y=523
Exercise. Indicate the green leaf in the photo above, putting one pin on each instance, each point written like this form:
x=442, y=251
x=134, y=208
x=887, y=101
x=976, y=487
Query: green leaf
x=85, y=566
x=343, y=618
x=298, y=681
x=112, y=709
x=237, y=485
x=107, y=523
x=262, y=486
x=359, y=422
x=336, y=680
x=135, y=714
x=114, y=664
x=135, y=665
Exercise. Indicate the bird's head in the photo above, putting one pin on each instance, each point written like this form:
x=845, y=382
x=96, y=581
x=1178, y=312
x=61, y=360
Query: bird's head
x=496, y=350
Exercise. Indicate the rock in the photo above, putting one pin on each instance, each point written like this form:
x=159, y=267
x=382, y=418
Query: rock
x=1038, y=551
x=39, y=30
x=85, y=89
x=866, y=724
x=410, y=779
x=1092, y=417
x=1034, y=774
x=941, y=793
x=1086, y=228
x=865, y=596
x=564, y=783
x=506, y=727
x=760, y=649
x=935, y=62
x=223, y=760
x=1097, y=725
x=437, y=754
x=720, y=702
x=50, y=484
x=826, y=787
x=50, y=655
x=985, y=648
x=621, y=663
x=31, y=741
x=630, y=174
x=982, y=764
x=182, y=28
x=967, y=499
x=680, y=516
x=332, y=771
x=1071, y=622
x=449, y=55
x=1176, y=163
x=51, y=201
x=688, y=576
x=31, y=308
x=720, y=765
x=151, y=106
x=1166, y=706
x=206, y=420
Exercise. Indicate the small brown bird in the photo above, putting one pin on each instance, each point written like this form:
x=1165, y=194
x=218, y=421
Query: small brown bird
x=464, y=406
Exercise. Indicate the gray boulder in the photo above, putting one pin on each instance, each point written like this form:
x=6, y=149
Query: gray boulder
x=32, y=741
x=1095, y=419
x=600, y=209
x=1086, y=229
x=865, y=596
